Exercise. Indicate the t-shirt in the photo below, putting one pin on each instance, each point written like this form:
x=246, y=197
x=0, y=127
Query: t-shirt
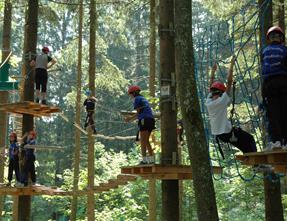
x=145, y=109
x=274, y=60
x=30, y=152
x=217, y=111
x=12, y=150
x=90, y=104
x=42, y=61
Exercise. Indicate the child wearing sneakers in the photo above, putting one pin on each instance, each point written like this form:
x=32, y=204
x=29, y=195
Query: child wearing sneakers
x=217, y=102
x=30, y=158
x=13, y=159
x=90, y=103
x=146, y=123
x=274, y=86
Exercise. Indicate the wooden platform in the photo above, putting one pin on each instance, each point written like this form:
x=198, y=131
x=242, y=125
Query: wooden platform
x=30, y=190
x=277, y=159
x=31, y=108
x=163, y=172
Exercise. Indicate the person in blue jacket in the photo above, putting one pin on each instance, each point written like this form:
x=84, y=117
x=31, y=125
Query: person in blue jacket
x=30, y=158
x=13, y=159
x=274, y=86
x=146, y=122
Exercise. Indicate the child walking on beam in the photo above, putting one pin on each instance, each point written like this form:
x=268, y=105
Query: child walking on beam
x=13, y=159
x=146, y=123
x=217, y=102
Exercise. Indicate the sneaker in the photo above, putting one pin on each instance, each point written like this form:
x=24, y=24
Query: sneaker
x=261, y=168
x=267, y=148
x=143, y=162
x=18, y=184
x=44, y=102
x=275, y=145
x=37, y=100
x=150, y=160
x=8, y=184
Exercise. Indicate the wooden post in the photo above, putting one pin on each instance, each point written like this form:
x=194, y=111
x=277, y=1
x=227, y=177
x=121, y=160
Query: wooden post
x=78, y=118
x=170, y=208
x=152, y=200
x=15, y=208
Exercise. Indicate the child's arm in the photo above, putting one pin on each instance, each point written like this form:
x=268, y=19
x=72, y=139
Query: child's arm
x=213, y=70
x=230, y=75
x=131, y=118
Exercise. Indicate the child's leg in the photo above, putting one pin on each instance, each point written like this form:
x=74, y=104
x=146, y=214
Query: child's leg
x=144, y=140
x=26, y=172
x=16, y=168
x=10, y=170
x=149, y=148
x=32, y=171
x=245, y=141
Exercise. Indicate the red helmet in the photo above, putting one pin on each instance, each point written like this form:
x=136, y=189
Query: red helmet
x=33, y=133
x=218, y=85
x=45, y=49
x=13, y=134
x=133, y=88
x=275, y=29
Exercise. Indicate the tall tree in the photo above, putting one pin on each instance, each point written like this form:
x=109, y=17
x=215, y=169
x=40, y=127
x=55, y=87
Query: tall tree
x=281, y=14
x=30, y=44
x=78, y=117
x=152, y=71
x=91, y=141
x=170, y=199
x=272, y=185
x=4, y=96
x=191, y=113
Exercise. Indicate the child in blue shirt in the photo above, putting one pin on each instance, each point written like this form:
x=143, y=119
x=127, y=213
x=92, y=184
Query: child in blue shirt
x=146, y=122
x=274, y=86
x=30, y=158
x=90, y=104
x=13, y=159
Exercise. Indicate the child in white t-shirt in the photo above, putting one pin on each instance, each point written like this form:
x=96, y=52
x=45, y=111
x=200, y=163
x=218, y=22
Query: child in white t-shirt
x=217, y=102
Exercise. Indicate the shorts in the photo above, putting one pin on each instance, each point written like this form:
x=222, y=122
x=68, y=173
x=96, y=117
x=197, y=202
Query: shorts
x=146, y=124
x=41, y=79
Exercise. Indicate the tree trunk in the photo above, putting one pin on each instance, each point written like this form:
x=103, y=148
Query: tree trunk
x=78, y=118
x=191, y=113
x=152, y=70
x=30, y=44
x=91, y=141
x=170, y=208
x=273, y=203
x=4, y=96
x=281, y=15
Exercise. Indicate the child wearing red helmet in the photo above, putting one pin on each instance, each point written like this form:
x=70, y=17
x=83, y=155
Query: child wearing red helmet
x=146, y=122
x=13, y=159
x=217, y=102
x=274, y=87
x=42, y=63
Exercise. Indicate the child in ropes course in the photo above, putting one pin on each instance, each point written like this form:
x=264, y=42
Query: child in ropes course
x=274, y=87
x=217, y=102
x=41, y=76
x=13, y=159
x=90, y=108
x=146, y=123
x=29, y=166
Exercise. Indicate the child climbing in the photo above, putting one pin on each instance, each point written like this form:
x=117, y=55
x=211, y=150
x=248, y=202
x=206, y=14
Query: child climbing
x=13, y=159
x=42, y=63
x=29, y=166
x=90, y=109
x=146, y=123
x=274, y=87
x=217, y=102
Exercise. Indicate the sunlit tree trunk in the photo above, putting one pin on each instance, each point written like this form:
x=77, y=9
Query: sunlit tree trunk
x=78, y=117
x=4, y=96
x=191, y=113
x=91, y=141
x=30, y=44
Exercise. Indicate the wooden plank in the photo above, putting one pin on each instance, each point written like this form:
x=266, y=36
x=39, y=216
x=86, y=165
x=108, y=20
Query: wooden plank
x=126, y=177
x=277, y=158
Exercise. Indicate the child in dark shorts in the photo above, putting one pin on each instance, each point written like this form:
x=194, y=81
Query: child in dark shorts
x=146, y=123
